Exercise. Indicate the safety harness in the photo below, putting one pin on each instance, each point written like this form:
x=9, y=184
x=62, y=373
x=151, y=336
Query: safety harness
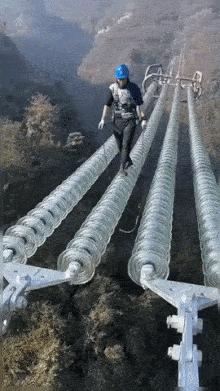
x=123, y=105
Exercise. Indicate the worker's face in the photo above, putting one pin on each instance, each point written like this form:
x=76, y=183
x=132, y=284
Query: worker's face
x=122, y=82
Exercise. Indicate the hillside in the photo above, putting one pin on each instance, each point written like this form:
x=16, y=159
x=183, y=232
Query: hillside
x=47, y=41
x=139, y=38
x=15, y=72
x=13, y=65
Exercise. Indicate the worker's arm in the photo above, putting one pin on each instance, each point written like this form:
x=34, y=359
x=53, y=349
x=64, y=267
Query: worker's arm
x=141, y=116
x=140, y=113
x=139, y=103
x=105, y=113
x=106, y=109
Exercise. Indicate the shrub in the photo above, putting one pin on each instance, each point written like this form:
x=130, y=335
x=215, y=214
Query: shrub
x=10, y=150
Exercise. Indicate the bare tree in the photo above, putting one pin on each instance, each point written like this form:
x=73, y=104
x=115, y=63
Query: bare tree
x=41, y=118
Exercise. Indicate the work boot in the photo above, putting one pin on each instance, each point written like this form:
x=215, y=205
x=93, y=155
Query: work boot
x=123, y=171
x=128, y=163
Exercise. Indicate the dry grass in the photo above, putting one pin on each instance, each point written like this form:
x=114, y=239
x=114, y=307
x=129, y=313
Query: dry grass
x=114, y=353
x=101, y=315
x=209, y=115
x=33, y=358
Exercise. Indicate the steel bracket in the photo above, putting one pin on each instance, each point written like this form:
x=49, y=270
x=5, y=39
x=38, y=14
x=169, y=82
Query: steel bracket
x=188, y=299
x=19, y=279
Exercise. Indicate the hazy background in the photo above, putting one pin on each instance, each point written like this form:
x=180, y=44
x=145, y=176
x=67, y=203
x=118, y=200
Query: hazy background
x=80, y=42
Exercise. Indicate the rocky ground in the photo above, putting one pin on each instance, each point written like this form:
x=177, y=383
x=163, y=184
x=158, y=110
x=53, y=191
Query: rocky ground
x=108, y=334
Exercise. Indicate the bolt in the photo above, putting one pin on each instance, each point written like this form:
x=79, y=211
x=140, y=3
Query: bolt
x=199, y=357
x=174, y=352
x=169, y=321
x=24, y=278
x=176, y=322
x=199, y=326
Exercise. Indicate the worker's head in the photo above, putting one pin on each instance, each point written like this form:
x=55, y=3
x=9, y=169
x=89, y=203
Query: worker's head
x=122, y=75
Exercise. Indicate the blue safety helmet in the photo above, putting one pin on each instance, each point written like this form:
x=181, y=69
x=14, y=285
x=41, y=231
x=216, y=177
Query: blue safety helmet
x=122, y=72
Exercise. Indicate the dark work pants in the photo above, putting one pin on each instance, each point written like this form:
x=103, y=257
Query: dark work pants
x=124, y=133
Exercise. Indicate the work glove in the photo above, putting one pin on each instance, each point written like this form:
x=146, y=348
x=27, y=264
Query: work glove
x=143, y=123
x=101, y=124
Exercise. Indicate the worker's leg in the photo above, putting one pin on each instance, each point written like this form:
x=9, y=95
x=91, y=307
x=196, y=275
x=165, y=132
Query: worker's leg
x=118, y=133
x=128, y=135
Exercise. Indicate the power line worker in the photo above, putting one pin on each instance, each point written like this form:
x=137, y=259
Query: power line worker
x=124, y=97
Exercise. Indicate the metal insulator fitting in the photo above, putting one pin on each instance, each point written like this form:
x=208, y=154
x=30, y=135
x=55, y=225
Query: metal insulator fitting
x=27, y=235
x=207, y=200
x=73, y=269
x=16, y=245
x=153, y=242
x=147, y=272
x=87, y=268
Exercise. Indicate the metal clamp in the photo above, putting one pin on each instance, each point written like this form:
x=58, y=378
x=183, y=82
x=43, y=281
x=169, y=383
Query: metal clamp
x=188, y=299
x=151, y=74
x=155, y=72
